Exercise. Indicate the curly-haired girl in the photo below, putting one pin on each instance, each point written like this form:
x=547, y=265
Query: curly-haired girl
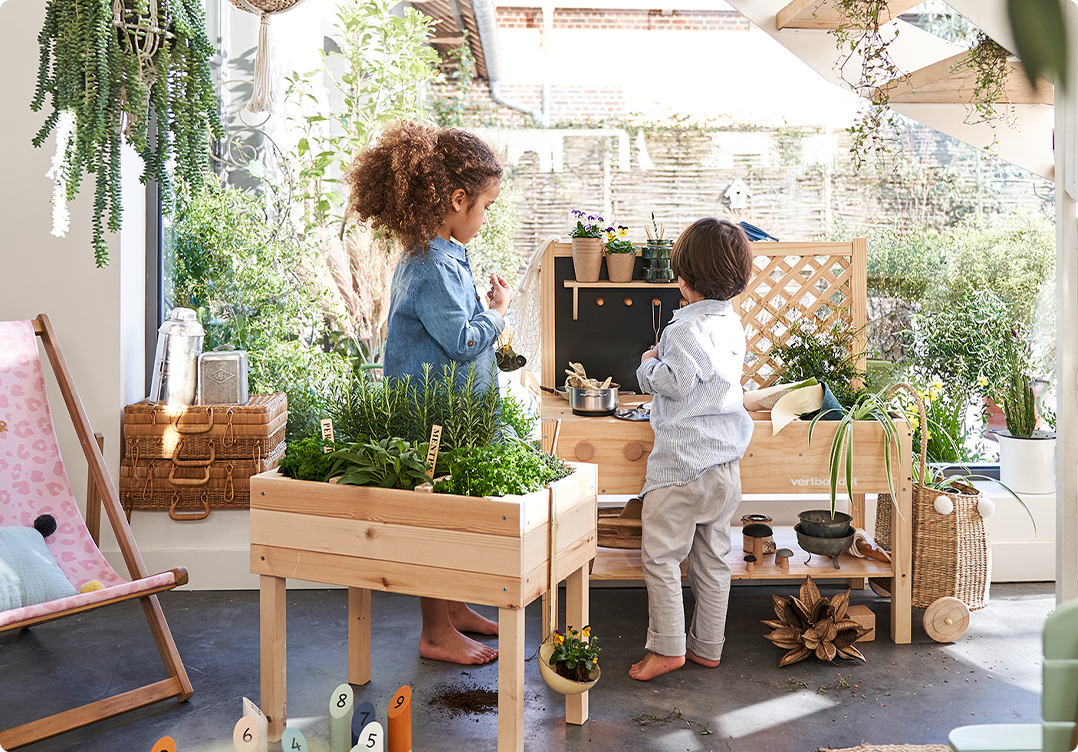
x=429, y=189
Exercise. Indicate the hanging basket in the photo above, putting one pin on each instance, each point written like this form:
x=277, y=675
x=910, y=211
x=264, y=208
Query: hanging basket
x=263, y=96
x=554, y=680
x=952, y=553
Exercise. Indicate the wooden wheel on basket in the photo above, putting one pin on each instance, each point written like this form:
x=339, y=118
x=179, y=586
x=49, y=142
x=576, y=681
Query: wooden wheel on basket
x=946, y=619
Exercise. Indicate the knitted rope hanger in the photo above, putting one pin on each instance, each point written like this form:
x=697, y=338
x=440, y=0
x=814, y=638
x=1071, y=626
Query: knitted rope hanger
x=263, y=96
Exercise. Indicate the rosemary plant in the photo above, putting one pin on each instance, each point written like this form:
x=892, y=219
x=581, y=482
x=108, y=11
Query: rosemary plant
x=107, y=65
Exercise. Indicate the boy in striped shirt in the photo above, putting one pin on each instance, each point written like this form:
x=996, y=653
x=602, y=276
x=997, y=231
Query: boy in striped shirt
x=693, y=483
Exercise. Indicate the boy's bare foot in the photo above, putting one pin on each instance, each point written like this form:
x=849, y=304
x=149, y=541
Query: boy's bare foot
x=702, y=661
x=454, y=647
x=467, y=620
x=655, y=665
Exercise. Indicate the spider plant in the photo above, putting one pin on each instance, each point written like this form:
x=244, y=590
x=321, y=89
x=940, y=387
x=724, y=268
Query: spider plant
x=936, y=480
x=867, y=407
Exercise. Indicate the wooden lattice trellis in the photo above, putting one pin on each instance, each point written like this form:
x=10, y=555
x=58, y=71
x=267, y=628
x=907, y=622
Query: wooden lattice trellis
x=819, y=284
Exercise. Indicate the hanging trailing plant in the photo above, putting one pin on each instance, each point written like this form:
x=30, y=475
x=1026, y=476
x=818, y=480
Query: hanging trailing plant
x=990, y=67
x=861, y=33
x=110, y=68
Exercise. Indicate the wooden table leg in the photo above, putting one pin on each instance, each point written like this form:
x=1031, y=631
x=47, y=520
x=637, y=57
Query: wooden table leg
x=577, y=608
x=857, y=511
x=510, y=680
x=359, y=635
x=272, y=612
x=901, y=558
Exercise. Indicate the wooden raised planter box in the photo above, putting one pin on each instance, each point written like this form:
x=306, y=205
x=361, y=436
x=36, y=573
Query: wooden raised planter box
x=491, y=551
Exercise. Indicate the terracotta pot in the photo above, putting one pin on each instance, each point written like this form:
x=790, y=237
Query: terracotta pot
x=587, y=259
x=619, y=266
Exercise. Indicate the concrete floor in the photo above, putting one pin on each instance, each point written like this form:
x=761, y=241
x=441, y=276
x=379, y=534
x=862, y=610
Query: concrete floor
x=904, y=694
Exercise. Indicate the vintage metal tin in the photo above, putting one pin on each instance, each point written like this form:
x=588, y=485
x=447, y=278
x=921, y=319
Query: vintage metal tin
x=175, y=364
x=222, y=377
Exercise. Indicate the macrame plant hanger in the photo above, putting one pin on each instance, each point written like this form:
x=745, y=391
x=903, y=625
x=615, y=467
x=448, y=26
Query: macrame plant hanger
x=262, y=97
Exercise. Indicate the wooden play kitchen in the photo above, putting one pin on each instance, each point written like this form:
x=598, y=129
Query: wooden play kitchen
x=490, y=551
x=606, y=326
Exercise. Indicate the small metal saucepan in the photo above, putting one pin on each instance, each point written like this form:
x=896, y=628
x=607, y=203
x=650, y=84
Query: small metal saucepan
x=593, y=401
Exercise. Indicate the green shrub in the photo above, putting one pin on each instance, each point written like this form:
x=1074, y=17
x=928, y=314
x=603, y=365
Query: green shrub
x=386, y=463
x=905, y=266
x=828, y=354
x=1013, y=258
x=310, y=377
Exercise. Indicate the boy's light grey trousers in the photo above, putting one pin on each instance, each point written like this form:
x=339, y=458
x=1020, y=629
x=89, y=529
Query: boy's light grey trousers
x=689, y=521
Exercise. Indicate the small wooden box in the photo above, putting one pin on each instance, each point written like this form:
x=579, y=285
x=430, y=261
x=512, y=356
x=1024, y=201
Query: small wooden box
x=864, y=616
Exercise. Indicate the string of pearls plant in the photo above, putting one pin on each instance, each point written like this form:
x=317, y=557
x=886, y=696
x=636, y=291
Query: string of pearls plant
x=111, y=68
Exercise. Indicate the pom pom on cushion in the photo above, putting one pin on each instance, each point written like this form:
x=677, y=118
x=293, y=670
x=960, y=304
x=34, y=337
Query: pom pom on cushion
x=90, y=586
x=28, y=573
x=986, y=506
x=45, y=524
x=943, y=504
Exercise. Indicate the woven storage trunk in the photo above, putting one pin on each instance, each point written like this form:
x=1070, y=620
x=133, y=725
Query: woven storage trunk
x=952, y=553
x=206, y=432
x=189, y=492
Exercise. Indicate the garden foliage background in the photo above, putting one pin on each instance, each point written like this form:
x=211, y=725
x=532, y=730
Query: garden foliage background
x=261, y=254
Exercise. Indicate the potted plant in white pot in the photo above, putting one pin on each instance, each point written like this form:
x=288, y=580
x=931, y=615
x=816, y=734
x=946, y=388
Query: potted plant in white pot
x=1026, y=453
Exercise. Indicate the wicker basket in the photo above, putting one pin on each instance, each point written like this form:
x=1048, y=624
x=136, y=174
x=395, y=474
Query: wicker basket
x=952, y=554
x=189, y=492
x=250, y=431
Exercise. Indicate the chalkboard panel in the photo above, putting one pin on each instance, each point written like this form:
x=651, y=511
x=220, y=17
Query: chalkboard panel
x=609, y=339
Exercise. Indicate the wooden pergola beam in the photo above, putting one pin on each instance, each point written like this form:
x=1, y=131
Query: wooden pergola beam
x=951, y=81
x=821, y=14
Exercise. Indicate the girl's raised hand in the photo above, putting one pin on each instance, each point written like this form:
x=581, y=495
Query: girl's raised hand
x=500, y=294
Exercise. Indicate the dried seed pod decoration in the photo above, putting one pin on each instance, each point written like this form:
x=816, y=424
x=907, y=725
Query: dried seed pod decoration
x=814, y=624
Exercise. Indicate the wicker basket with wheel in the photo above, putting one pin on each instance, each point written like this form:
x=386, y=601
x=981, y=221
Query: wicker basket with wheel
x=952, y=554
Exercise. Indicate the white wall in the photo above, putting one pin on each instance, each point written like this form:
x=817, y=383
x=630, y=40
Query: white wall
x=97, y=313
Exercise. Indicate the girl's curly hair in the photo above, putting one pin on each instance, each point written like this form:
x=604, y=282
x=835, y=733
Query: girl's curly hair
x=404, y=183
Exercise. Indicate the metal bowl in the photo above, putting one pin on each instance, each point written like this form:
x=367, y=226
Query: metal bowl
x=820, y=523
x=593, y=401
x=829, y=547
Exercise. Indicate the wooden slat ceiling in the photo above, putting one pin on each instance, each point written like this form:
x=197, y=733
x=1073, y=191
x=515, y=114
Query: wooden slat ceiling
x=453, y=16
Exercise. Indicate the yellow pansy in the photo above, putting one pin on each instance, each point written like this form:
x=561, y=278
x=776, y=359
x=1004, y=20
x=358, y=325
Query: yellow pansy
x=586, y=632
x=623, y=232
x=558, y=639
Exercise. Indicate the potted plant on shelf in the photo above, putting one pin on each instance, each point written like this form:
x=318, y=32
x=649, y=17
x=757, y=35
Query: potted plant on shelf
x=587, y=237
x=657, y=253
x=1026, y=453
x=111, y=67
x=620, y=254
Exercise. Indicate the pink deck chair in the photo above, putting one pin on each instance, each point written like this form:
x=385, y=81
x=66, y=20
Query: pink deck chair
x=33, y=482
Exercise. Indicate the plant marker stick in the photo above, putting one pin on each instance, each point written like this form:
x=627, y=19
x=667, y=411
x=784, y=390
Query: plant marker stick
x=253, y=712
x=293, y=741
x=372, y=739
x=340, y=719
x=327, y=434
x=399, y=720
x=432, y=452
x=363, y=715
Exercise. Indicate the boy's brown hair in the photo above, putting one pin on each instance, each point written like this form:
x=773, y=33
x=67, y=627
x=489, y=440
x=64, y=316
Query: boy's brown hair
x=714, y=258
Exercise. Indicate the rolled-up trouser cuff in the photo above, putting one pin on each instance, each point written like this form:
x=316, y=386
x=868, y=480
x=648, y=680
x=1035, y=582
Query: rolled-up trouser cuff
x=671, y=645
x=709, y=651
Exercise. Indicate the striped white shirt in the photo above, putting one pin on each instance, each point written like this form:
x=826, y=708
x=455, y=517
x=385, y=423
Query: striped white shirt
x=698, y=413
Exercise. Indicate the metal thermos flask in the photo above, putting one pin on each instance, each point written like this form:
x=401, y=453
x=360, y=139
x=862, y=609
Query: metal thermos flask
x=175, y=366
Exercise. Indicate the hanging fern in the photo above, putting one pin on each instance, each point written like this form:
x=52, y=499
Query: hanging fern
x=108, y=66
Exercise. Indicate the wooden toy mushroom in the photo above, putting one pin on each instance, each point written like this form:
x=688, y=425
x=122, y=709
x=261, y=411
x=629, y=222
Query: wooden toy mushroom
x=750, y=564
x=757, y=531
x=782, y=556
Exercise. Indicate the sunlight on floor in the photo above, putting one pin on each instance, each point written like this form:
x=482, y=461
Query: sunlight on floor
x=763, y=715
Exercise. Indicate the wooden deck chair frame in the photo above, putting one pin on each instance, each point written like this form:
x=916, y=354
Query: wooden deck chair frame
x=177, y=684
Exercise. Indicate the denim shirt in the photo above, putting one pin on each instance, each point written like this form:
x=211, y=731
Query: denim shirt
x=436, y=315
x=698, y=411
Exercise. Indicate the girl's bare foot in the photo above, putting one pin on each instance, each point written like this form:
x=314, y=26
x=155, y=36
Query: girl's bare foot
x=467, y=620
x=654, y=665
x=702, y=661
x=454, y=647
